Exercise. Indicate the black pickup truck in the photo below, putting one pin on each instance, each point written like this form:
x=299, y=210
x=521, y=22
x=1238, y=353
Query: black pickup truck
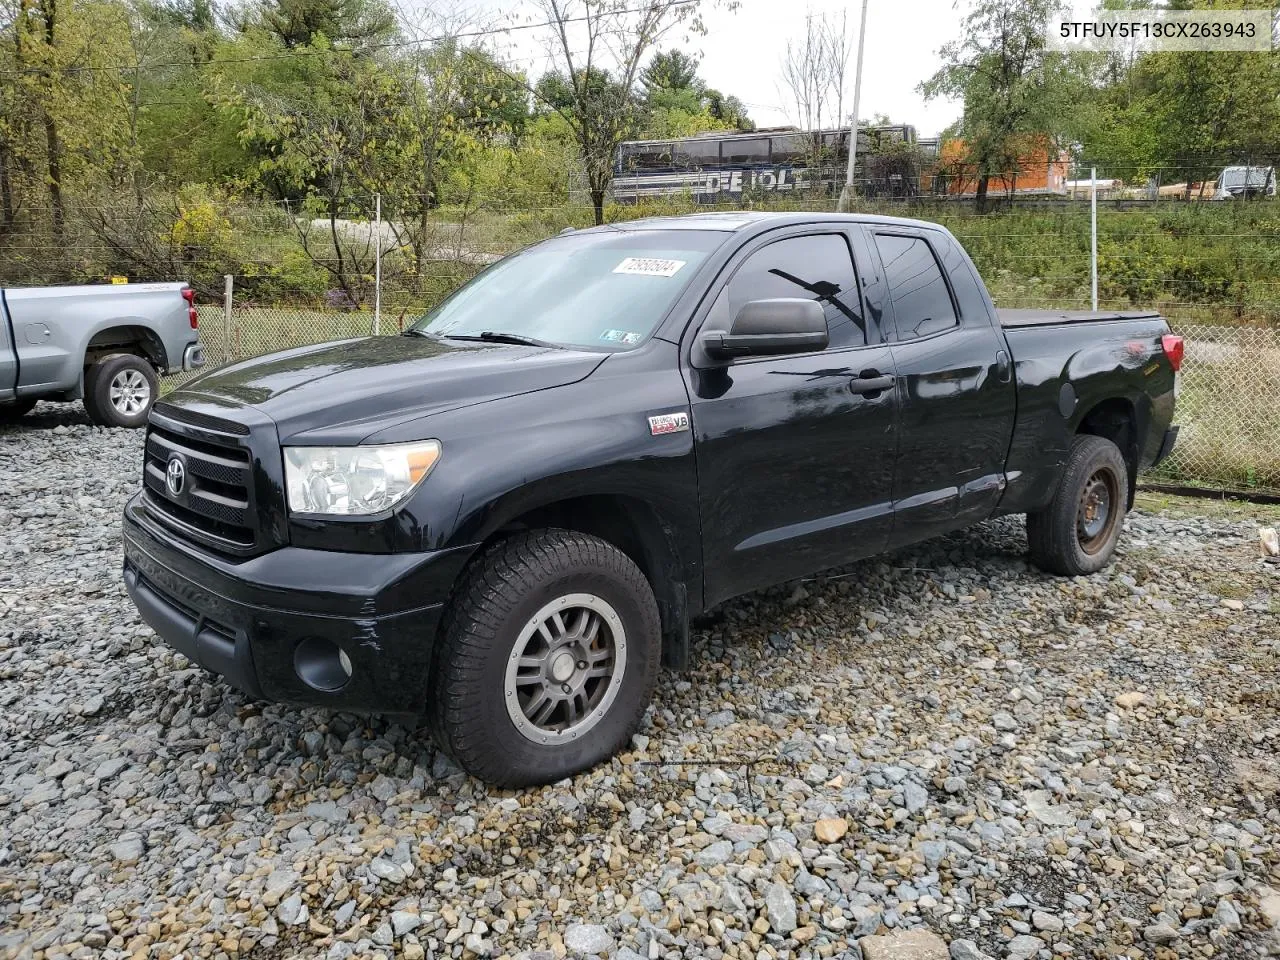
x=504, y=519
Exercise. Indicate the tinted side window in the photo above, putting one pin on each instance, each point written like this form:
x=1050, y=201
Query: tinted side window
x=921, y=302
x=745, y=151
x=816, y=268
x=648, y=156
x=791, y=148
x=697, y=153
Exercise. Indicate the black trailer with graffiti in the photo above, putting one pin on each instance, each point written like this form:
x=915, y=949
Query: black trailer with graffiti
x=726, y=165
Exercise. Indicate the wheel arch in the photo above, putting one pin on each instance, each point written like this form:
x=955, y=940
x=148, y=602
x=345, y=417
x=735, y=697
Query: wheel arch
x=1116, y=419
x=126, y=336
x=638, y=529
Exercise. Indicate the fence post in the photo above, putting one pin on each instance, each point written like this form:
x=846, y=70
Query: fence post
x=228, y=291
x=377, y=265
x=1093, y=233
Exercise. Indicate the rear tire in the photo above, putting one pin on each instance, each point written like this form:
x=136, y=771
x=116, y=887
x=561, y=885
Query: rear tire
x=119, y=391
x=1078, y=532
x=546, y=627
x=16, y=409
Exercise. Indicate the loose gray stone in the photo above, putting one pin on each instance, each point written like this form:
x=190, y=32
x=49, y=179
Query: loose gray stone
x=384, y=869
x=914, y=797
x=1023, y=946
x=344, y=914
x=129, y=848
x=780, y=908
x=588, y=939
x=402, y=921
x=291, y=910
x=1046, y=921
x=1226, y=915
x=1160, y=933
x=966, y=950
x=720, y=719
x=715, y=854
x=746, y=833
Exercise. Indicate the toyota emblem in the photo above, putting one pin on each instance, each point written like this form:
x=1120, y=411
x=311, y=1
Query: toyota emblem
x=175, y=476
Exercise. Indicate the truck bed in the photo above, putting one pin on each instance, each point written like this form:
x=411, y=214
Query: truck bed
x=1048, y=318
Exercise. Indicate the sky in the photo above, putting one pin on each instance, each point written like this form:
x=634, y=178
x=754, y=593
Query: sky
x=742, y=52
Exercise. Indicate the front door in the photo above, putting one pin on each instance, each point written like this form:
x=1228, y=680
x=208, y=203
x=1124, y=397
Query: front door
x=796, y=453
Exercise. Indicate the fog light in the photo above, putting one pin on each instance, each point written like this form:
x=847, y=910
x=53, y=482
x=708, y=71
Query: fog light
x=321, y=664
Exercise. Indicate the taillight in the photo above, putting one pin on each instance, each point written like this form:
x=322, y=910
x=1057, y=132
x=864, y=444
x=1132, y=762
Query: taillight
x=1173, y=348
x=189, y=295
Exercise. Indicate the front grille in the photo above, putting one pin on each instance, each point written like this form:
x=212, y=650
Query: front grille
x=199, y=419
x=215, y=504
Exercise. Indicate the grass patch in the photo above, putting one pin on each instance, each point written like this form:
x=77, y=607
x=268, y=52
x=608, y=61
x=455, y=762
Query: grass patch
x=1224, y=508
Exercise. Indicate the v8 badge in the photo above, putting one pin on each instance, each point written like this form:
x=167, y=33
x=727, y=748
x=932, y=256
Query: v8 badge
x=668, y=423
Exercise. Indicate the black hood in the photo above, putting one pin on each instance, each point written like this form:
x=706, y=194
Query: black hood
x=343, y=392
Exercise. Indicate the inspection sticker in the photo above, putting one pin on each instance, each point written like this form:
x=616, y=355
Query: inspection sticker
x=649, y=266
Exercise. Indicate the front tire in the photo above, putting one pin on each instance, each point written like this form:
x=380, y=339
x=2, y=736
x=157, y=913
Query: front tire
x=1078, y=532
x=547, y=659
x=119, y=391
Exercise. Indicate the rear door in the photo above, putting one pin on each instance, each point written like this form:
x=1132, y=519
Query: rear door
x=795, y=453
x=955, y=384
x=44, y=321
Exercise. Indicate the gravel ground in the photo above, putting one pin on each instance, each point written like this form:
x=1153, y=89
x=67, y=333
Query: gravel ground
x=939, y=750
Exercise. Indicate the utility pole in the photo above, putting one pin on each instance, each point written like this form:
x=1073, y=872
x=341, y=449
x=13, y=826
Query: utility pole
x=377, y=265
x=1093, y=235
x=846, y=195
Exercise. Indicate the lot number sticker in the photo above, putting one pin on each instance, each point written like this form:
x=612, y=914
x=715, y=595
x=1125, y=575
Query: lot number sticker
x=649, y=266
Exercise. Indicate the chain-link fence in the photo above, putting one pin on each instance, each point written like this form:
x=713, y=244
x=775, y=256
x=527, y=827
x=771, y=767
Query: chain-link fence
x=300, y=277
x=1228, y=402
x=1229, y=411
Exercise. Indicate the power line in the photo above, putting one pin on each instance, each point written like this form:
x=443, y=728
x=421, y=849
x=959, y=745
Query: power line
x=389, y=45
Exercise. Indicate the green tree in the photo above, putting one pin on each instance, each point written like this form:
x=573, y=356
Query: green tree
x=327, y=129
x=1015, y=91
x=671, y=70
x=357, y=24
x=1181, y=116
x=459, y=101
x=603, y=107
x=678, y=102
x=61, y=100
x=728, y=110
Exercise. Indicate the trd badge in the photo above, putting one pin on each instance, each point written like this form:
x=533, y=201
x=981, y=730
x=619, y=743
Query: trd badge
x=668, y=423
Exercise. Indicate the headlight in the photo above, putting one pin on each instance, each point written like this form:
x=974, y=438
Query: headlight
x=356, y=481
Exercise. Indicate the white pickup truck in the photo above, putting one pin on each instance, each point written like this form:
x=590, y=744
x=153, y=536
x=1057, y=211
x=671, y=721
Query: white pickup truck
x=105, y=345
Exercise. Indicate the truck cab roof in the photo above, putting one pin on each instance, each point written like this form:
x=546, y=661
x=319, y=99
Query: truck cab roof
x=746, y=220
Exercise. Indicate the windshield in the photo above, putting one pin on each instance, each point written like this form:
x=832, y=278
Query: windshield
x=603, y=290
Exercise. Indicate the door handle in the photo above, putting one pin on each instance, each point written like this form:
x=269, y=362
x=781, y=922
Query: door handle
x=870, y=384
x=1003, y=367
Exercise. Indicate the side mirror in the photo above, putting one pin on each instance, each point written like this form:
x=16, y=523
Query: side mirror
x=768, y=328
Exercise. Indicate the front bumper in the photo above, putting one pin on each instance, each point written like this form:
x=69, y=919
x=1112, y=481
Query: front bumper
x=250, y=620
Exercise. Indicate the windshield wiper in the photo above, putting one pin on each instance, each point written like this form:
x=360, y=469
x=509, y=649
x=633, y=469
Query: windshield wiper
x=496, y=336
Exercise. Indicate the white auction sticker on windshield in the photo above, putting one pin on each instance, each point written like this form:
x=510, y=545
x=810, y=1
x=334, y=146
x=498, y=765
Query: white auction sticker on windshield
x=649, y=266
